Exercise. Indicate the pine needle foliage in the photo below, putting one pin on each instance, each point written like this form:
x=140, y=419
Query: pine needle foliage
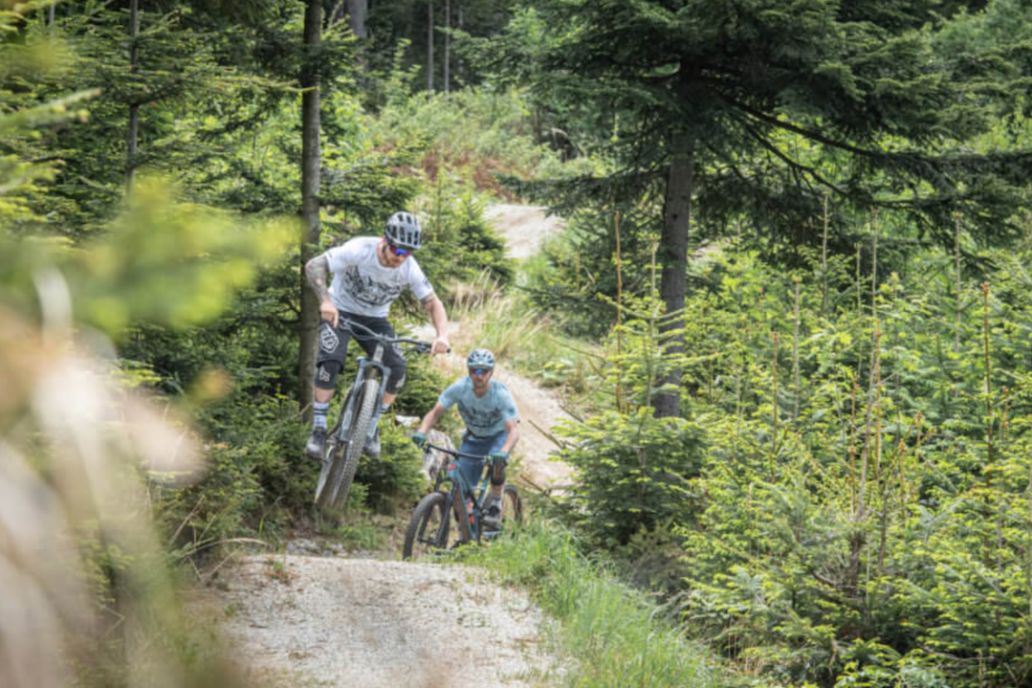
x=852, y=505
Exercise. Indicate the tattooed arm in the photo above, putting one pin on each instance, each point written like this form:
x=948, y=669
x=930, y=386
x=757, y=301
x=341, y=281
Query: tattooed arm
x=317, y=270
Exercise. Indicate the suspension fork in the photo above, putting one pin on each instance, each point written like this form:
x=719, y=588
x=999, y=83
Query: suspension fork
x=365, y=369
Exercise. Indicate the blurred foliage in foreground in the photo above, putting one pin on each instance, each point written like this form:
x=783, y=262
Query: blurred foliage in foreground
x=87, y=589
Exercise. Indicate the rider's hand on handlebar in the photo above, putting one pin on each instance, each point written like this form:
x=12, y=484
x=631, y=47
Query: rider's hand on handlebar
x=418, y=439
x=441, y=346
x=499, y=457
x=329, y=312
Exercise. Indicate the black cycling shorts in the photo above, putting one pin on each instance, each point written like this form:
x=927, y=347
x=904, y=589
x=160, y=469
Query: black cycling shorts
x=333, y=345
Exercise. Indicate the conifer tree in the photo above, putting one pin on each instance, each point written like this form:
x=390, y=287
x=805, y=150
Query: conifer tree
x=709, y=99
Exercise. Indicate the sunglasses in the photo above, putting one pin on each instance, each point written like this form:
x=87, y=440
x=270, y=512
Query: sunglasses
x=479, y=371
x=398, y=250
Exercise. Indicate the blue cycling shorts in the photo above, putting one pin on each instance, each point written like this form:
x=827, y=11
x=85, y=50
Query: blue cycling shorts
x=472, y=468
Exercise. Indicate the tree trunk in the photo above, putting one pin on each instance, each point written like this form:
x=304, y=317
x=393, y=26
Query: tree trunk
x=134, y=108
x=447, y=45
x=357, y=11
x=430, y=47
x=673, y=281
x=458, y=25
x=309, y=198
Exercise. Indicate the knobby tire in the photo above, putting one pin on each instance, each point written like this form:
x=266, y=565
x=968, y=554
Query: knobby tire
x=332, y=464
x=361, y=416
x=512, y=507
x=429, y=527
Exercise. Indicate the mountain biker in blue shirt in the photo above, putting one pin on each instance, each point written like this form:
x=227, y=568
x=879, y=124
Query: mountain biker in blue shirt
x=369, y=273
x=491, y=419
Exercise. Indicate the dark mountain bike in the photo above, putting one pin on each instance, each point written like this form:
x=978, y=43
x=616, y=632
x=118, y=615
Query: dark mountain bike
x=345, y=442
x=453, y=513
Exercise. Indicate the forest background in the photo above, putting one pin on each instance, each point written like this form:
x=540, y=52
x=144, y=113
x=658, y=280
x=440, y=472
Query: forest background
x=790, y=308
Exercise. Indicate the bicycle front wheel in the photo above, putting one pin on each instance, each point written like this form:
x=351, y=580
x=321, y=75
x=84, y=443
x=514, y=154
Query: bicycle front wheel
x=332, y=466
x=430, y=529
x=365, y=405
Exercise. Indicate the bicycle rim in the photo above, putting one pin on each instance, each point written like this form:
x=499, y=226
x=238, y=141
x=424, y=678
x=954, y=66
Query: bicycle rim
x=360, y=419
x=332, y=466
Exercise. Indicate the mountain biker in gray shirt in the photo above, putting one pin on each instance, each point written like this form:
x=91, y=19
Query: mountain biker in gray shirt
x=369, y=273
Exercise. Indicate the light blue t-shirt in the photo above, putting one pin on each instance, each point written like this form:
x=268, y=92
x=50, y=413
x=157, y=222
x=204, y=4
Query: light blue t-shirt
x=484, y=416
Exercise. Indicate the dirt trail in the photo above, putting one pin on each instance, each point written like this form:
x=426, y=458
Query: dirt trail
x=524, y=228
x=334, y=621
x=380, y=624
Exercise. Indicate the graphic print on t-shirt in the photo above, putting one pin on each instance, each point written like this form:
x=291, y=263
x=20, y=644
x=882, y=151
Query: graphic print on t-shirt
x=479, y=418
x=367, y=291
x=361, y=285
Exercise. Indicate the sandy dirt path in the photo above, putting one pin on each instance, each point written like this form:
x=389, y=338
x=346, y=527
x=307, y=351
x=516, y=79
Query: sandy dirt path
x=311, y=621
x=524, y=227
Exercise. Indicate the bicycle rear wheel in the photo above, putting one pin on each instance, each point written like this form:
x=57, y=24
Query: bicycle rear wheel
x=430, y=528
x=361, y=416
x=512, y=508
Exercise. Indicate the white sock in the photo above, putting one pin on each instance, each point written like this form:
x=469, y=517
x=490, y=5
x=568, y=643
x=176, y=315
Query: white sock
x=319, y=414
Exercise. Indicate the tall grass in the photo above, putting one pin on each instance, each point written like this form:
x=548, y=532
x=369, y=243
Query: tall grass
x=523, y=336
x=611, y=635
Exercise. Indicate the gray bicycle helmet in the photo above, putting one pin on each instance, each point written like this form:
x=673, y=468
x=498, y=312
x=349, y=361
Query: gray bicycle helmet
x=481, y=358
x=403, y=230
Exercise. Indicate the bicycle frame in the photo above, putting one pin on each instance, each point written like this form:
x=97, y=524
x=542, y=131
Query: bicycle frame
x=361, y=406
x=461, y=489
x=442, y=505
x=366, y=366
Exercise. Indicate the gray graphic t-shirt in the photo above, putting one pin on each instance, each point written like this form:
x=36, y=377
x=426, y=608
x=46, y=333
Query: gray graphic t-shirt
x=484, y=416
x=362, y=286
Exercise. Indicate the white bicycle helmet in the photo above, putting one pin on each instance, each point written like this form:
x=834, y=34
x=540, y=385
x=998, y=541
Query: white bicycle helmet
x=403, y=230
x=481, y=358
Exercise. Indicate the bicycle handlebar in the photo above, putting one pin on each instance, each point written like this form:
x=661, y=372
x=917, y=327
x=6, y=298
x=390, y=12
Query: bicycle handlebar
x=421, y=347
x=456, y=452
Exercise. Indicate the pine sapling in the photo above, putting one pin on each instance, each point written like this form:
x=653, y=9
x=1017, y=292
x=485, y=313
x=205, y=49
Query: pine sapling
x=774, y=424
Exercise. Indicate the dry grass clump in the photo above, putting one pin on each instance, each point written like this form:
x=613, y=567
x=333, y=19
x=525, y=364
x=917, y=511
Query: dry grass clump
x=493, y=319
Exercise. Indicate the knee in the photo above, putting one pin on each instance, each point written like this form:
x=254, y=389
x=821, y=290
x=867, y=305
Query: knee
x=498, y=473
x=326, y=374
x=398, y=370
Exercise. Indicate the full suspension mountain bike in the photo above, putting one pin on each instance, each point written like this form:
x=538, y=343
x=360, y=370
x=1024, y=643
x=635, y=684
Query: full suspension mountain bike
x=452, y=513
x=347, y=439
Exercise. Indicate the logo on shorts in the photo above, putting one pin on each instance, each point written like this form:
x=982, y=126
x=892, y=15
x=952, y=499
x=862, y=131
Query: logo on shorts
x=324, y=375
x=328, y=339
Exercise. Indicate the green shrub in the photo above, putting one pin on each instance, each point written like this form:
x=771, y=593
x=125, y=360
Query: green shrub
x=395, y=473
x=459, y=245
x=423, y=385
x=633, y=471
x=257, y=479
